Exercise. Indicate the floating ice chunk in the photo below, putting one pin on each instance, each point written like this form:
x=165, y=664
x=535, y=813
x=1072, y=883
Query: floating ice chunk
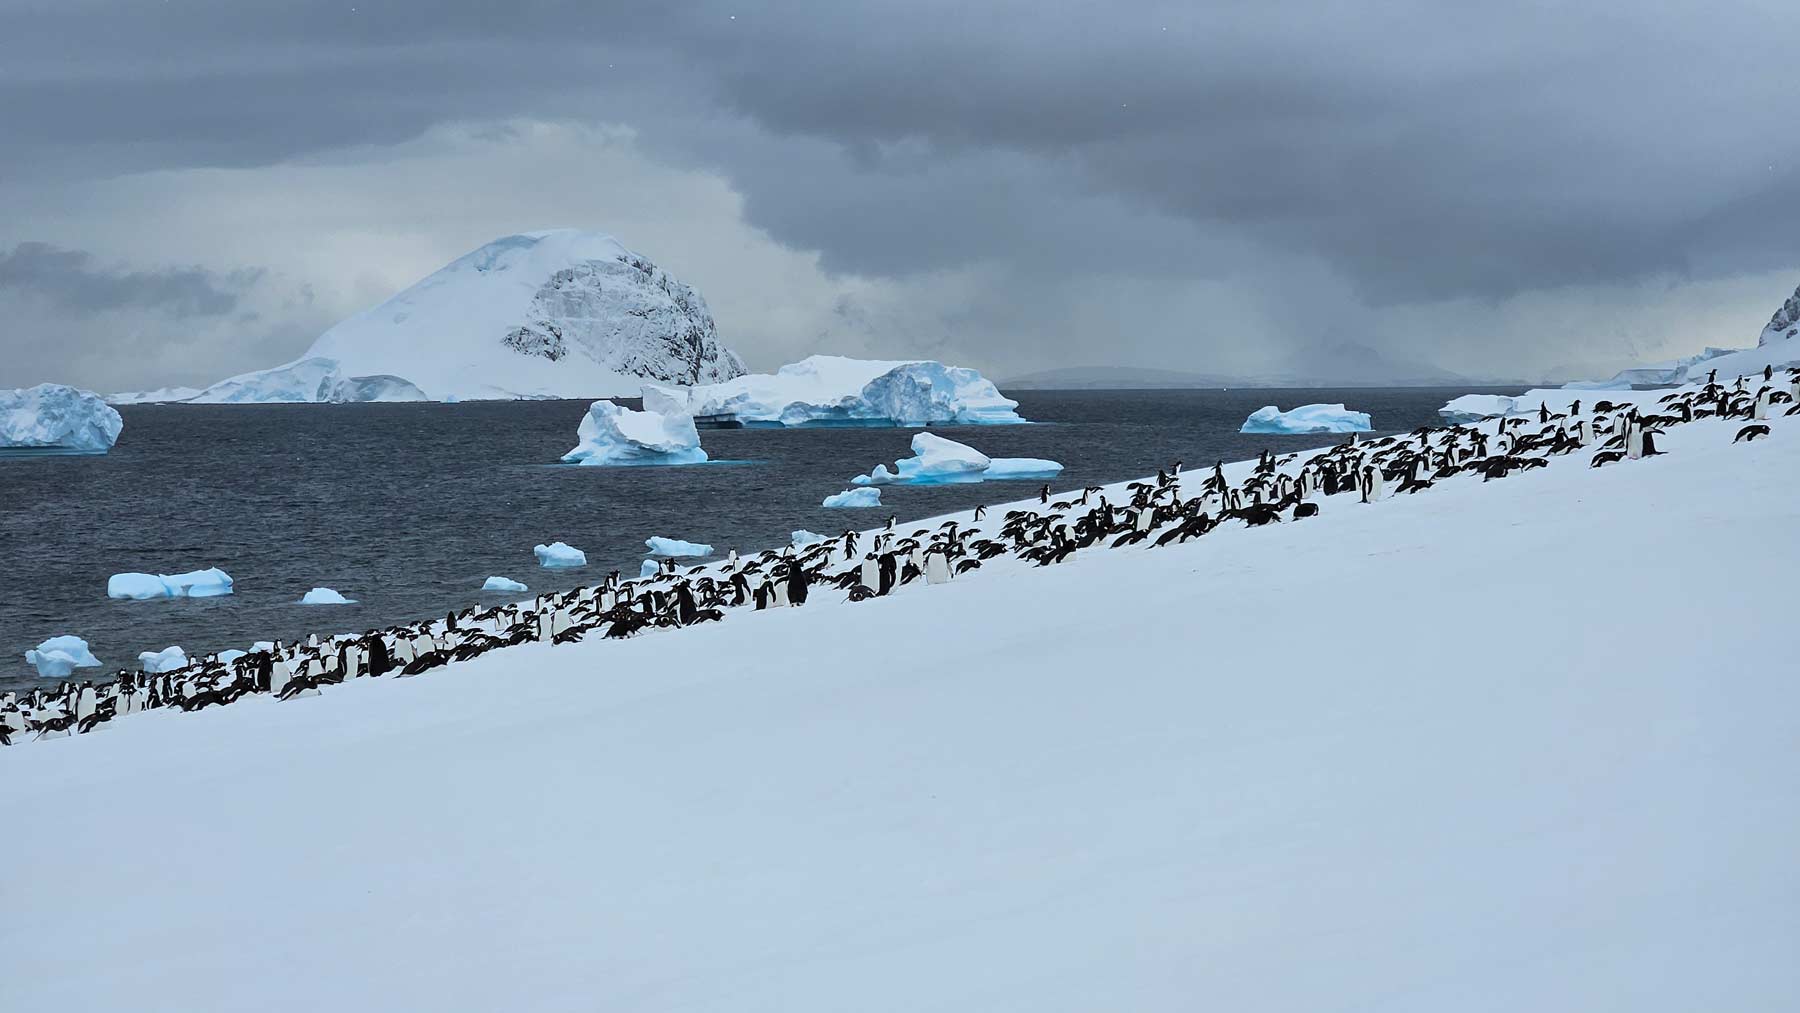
x=649, y=568
x=805, y=537
x=166, y=660
x=504, y=584
x=676, y=548
x=161, y=395
x=938, y=461
x=557, y=555
x=1311, y=418
x=55, y=419
x=227, y=657
x=851, y=498
x=209, y=583
x=611, y=435
x=324, y=596
x=61, y=656
x=827, y=390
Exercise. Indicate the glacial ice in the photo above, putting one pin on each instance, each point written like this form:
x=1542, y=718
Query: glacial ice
x=826, y=390
x=1311, y=418
x=649, y=568
x=166, y=660
x=938, y=461
x=558, y=555
x=324, y=596
x=612, y=435
x=61, y=656
x=805, y=537
x=504, y=584
x=161, y=395
x=313, y=380
x=209, y=583
x=853, y=498
x=52, y=418
x=675, y=548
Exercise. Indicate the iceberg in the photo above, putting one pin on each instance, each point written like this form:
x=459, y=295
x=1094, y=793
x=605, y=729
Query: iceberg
x=1311, y=418
x=307, y=381
x=504, y=584
x=938, y=461
x=831, y=390
x=805, y=537
x=161, y=395
x=210, y=583
x=61, y=656
x=166, y=660
x=324, y=596
x=612, y=435
x=852, y=499
x=649, y=568
x=557, y=556
x=55, y=419
x=675, y=548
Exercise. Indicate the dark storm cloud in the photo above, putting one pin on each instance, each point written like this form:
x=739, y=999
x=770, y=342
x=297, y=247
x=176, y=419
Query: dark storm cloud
x=1420, y=150
x=70, y=280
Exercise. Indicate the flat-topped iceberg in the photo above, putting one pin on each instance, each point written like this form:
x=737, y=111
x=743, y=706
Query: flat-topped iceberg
x=1310, y=418
x=161, y=395
x=61, y=656
x=558, y=555
x=852, y=499
x=208, y=583
x=831, y=390
x=938, y=461
x=504, y=584
x=324, y=596
x=53, y=418
x=307, y=381
x=615, y=436
x=675, y=548
x=166, y=660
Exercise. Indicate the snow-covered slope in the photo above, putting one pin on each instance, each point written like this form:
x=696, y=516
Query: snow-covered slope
x=835, y=390
x=1776, y=347
x=543, y=314
x=53, y=418
x=307, y=381
x=1530, y=769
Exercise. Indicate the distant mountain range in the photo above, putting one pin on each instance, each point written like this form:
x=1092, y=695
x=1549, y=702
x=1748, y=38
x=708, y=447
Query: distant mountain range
x=1340, y=365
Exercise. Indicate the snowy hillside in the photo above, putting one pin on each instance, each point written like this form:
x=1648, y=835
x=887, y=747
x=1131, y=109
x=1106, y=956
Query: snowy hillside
x=1776, y=348
x=1525, y=766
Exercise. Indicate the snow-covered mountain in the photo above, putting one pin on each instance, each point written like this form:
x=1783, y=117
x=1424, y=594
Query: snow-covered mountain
x=1785, y=324
x=1776, y=348
x=559, y=314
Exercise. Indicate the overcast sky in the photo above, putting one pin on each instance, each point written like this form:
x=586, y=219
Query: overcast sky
x=193, y=189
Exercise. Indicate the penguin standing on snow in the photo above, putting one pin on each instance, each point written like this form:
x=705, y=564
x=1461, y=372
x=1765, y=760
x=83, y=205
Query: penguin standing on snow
x=798, y=584
x=871, y=572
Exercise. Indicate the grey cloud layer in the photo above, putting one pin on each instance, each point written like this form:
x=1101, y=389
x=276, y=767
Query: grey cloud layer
x=71, y=280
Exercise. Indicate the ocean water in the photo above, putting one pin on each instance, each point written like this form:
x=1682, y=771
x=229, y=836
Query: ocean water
x=407, y=508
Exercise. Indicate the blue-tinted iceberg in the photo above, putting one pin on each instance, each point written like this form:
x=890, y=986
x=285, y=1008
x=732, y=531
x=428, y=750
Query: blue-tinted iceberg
x=853, y=498
x=504, y=584
x=325, y=596
x=558, y=555
x=611, y=435
x=805, y=537
x=1311, y=418
x=937, y=461
x=61, y=656
x=675, y=548
x=210, y=583
x=166, y=660
x=831, y=390
x=307, y=381
x=55, y=419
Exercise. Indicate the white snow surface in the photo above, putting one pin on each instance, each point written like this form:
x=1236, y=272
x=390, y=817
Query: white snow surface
x=1309, y=418
x=675, y=548
x=611, y=435
x=558, y=555
x=563, y=313
x=166, y=660
x=324, y=596
x=504, y=584
x=1135, y=780
x=55, y=418
x=1475, y=407
x=59, y=657
x=209, y=583
x=853, y=499
x=161, y=395
x=940, y=461
x=310, y=380
x=835, y=390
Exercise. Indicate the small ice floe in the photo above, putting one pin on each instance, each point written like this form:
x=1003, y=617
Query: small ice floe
x=209, y=583
x=1309, y=418
x=805, y=537
x=166, y=660
x=852, y=498
x=649, y=568
x=558, y=555
x=325, y=596
x=937, y=461
x=675, y=548
x=61, y=656
x=504, y=585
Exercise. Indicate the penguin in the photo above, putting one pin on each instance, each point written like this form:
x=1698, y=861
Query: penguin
x=1044, y=494
x=798, y=584
x=980, y=512
x=1750, y=433
x=937, y=567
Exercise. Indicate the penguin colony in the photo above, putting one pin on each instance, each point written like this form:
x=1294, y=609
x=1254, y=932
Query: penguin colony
x=1156, y=514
